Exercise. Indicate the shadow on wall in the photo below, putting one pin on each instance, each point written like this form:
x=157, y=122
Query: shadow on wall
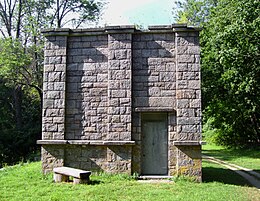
x=153, y=70
x=86, y=88
x=87, y=158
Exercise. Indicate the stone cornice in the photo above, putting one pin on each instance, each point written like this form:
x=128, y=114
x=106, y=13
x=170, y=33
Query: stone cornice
x=119, y=29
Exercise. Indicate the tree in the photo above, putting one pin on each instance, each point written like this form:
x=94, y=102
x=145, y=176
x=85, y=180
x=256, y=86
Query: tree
x=73, y=12
x=193, y=12
x=21, y=65
x=231, y=71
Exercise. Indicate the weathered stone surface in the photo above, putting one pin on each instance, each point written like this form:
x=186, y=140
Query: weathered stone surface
x=96, y=86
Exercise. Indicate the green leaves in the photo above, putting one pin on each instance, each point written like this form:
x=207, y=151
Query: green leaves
x=13, y=61
x=230, y=55
x=193, y=12
x=230, y=62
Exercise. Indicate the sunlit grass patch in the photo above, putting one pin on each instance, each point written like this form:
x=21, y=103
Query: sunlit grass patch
x=26, y=182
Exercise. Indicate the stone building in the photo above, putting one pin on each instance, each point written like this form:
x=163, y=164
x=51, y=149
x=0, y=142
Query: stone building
x=122, y=100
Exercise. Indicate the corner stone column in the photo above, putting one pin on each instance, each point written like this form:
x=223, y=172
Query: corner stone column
x=119, y=86
x=53, y=116
x=188, y=94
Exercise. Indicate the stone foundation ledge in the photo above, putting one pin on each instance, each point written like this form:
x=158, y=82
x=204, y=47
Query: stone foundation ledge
x=85, y=142
x=188, y=143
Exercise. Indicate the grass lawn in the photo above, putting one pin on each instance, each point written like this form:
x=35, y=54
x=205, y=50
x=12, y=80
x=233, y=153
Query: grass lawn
x=25, y=182
x=246, y=158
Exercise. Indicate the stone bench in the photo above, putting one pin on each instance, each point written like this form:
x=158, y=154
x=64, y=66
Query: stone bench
x=62, y=174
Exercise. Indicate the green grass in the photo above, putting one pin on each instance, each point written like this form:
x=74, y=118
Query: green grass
x=248, y=158
x=213, y=172
x=25, y=182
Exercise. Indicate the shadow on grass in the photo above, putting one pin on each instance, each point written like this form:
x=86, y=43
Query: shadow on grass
x=95, y=182
x=214, y=173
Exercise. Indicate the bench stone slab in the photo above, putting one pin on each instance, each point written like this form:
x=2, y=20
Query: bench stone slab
x=62, y=174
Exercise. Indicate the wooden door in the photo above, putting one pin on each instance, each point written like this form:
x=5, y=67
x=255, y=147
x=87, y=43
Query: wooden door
x=154, y=144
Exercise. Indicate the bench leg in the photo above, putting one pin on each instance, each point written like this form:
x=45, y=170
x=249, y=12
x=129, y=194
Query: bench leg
x=80, y=181
x=60, y=178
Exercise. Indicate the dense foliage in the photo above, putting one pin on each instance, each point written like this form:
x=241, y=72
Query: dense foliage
x=230, y=69
x=21, y=66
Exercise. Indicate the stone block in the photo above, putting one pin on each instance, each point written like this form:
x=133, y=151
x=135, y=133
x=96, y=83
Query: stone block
x=89, y=78
x=188, y=121
x=186, y=94
x=121, y=54
x=125, y=64
x=182, y=67
x=61, y=52
x=166, y=53
x=190, y=76
x=60, y=67
x=48, y=103
x=194, y=84
x=53, y=94
x=190, y=129
x=54, y=76
x=146, y=37
x=182, y=84
x=59, y=86
x=59, y=104
x=55, y=60
x=186, y=58
x=48, y=68
x=58, y=120
x=193, y=50
x=197, y=59
x=195, y=103
x=154, y=91
x=47, y=120
x=170, y=67
x=193, y=67
x=182, y=50
x=198, y=94
x=50, y=127
x=183, y=103
x=161, y=102
x=185, y=112
x=118, y=94
x=167, y=77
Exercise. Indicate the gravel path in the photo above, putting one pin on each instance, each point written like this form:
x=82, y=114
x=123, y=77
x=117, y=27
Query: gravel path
x=251, y=176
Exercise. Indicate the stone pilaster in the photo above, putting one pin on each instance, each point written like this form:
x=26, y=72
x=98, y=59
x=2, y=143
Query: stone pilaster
x=53, y=116
x=54, y=88
x=188, y=93
x=188, y=107
x=119, y=86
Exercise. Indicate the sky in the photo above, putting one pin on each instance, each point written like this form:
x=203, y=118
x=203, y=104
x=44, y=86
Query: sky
x=137, y=12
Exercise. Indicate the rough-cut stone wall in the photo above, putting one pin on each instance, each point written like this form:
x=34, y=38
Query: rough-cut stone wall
x=188, y=102
x=99, y=158
x=154, y=86
x=188, y=87
x=54, y=84
x=87, y=93
x=119, y=86
x=154, y=71
x=99, y=82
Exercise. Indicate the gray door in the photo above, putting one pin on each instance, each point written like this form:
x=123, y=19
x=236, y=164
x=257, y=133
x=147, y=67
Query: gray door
x=154, y=144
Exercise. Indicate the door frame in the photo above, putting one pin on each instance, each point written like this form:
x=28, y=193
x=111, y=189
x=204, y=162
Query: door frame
x=153, y=117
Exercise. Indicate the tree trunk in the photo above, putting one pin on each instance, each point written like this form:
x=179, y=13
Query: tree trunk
x=18, y=106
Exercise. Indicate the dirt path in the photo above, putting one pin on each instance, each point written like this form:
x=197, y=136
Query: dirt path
x=251, y=176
